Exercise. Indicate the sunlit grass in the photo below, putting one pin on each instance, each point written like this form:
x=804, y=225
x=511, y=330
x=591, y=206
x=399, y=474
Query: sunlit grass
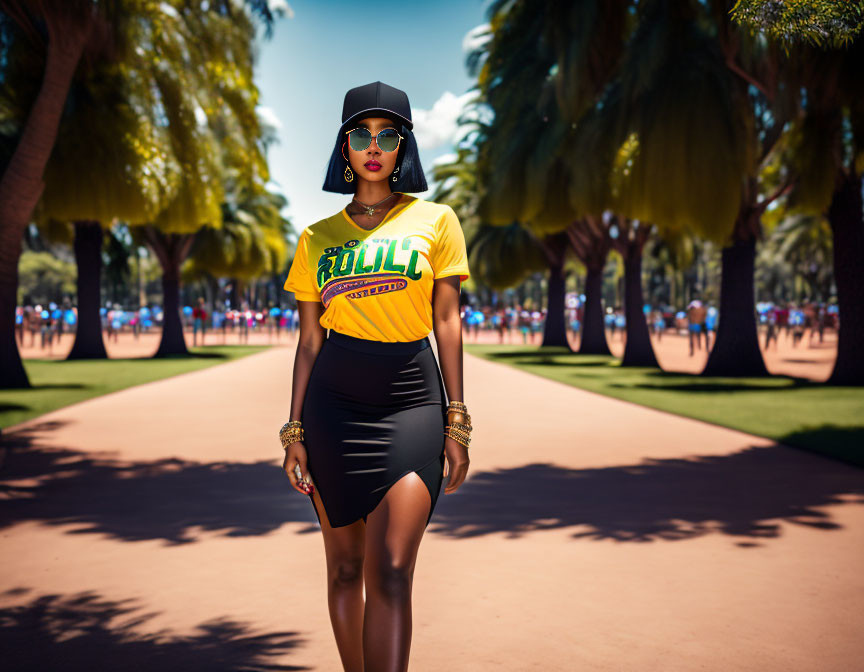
x=794, y=411
x=59, y=383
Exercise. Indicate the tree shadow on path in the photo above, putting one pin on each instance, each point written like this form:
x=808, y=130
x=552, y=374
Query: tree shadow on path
x=85, y=632
x=169, y=499
x=747, y=494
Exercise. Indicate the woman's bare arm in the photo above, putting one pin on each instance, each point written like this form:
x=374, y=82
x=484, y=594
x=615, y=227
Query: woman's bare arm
x=447, y=325
x=311, y=339
x=312, y=336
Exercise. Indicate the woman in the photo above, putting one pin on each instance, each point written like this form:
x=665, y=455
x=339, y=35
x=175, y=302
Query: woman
x=370, y=423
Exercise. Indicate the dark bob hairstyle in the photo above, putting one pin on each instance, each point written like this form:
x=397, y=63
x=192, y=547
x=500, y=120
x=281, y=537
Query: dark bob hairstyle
x=410, y=177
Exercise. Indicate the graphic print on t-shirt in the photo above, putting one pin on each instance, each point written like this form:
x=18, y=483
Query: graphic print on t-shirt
x=382, y=279
x=367, y=268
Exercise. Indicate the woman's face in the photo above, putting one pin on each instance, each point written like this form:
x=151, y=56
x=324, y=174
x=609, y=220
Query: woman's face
x=372, y=164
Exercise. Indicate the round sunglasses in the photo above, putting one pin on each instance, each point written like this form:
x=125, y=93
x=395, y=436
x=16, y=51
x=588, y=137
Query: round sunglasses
x=387, y=139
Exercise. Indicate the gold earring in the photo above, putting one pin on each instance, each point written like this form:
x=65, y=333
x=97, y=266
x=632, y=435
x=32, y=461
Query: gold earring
x=395, y=177
x=349, y=176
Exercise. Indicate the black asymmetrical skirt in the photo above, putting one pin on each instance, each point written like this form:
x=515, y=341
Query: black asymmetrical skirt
x=373, y=412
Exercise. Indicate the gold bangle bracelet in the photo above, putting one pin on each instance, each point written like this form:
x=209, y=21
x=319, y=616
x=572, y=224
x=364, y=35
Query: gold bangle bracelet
x=291, y=432
x=459, y=437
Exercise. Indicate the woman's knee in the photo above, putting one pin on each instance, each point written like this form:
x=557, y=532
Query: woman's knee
x=392, y=580
x=346, y=570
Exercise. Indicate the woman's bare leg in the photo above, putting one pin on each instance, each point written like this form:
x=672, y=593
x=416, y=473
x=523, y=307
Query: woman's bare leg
x=393, y=533
x=344, y=547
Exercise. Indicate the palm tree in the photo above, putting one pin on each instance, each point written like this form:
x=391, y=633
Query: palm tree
x=251, y=242
x=65, y=31
x=503, y=256
x=519, y=164
x=708, y=106
x=820, y=22
x=802, y=244
x=828, y=159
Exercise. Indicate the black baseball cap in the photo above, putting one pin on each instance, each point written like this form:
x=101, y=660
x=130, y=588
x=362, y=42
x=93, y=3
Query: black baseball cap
x=376, y=97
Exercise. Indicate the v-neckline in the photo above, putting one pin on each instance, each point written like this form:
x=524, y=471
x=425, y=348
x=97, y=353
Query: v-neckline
x=400, y=207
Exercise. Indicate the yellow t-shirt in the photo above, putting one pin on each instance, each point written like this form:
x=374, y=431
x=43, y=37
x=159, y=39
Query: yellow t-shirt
x=377, y=284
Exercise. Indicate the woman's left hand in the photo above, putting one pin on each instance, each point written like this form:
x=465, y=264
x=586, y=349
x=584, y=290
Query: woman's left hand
x=457, y=459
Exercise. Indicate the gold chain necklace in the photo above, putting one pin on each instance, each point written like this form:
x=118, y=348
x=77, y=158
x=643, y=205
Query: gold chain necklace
x=370, y=209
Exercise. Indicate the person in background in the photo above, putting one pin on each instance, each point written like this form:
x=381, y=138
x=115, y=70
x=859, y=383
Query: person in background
x=610, y=322
x=46, y=330
x=500, y=322
x=105, y=315
x=199, y=315
x=621, y=323
x=33, y=323
x=771, y=327
x=116, y=320
x=821, y=320
x=659, y=322
x=21, y=317
x=274, y=322
x=696, y=313
x=244, y=315
x=57, y=315
x=797, y=323
x=135, y=323
x=536, y=325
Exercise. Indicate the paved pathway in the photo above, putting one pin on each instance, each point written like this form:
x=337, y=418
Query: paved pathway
x=152, y=529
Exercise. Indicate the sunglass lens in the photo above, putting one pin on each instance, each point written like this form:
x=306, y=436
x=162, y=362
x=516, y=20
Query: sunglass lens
x=388, y=140
x=360, y=139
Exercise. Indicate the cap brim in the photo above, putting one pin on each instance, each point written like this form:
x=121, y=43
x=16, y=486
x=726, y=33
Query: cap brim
x=365, y=113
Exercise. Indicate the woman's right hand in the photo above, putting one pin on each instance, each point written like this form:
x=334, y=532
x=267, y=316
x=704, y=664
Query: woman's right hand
x=296, y=454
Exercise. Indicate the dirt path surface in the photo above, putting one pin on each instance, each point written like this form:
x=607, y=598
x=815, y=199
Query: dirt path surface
x=153, y=529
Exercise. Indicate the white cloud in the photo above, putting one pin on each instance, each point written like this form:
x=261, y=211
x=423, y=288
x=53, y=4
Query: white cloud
x=268, y=116
x=436, y=127
x=280, y=8
x=444, y=158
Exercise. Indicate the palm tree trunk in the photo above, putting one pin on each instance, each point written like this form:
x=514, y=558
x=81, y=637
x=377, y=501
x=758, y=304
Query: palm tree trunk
x=844, y=215
x=593, y=341
x=590, y=240
x=173, y=341
x=555, y=329
x=736, y=349
x=21, y=186
x=630, y=243
x=638, y=351
x=171, y=249
x=88, y=258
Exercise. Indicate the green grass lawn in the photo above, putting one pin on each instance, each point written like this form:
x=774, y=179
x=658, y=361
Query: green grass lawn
x=796, y=412
x=59, y=383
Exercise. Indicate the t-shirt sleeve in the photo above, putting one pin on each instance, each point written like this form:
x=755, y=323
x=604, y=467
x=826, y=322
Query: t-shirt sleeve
x=300, y=280
x=449, y=255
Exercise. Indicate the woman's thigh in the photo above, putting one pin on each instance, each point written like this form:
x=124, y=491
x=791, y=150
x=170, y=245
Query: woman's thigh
x=343, y=546
x=394, y=530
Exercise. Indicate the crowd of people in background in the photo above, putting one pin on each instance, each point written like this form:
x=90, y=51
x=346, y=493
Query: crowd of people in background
x=512, y=324
x=698, y=320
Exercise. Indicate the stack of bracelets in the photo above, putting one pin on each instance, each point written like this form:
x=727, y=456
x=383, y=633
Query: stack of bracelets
x=291, y=432
x=458, y=425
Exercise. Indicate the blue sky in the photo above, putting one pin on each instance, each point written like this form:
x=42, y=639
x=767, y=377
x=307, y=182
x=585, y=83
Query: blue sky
x=321, y=49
